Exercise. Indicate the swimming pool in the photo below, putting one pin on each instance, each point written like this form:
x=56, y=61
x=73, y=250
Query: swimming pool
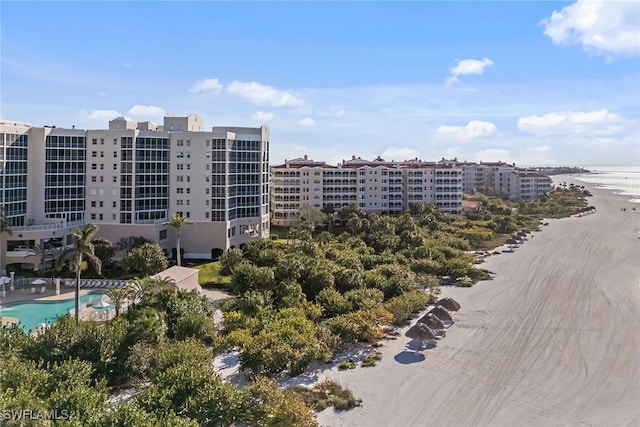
x=32, y=313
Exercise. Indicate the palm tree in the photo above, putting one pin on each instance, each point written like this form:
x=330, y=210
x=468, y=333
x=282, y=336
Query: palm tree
x=139, y=288
x=118, y=296
x=74, y=257
x=177, y=220
x=4, y=227
x=42, y=252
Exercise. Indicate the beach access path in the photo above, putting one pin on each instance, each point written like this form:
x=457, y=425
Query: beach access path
x=553, y=340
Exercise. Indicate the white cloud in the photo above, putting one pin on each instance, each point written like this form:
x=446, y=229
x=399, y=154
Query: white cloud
x=592, y=123
x=401, y=153
x=307, y=121
x=142, y=113
x=262, y=116
x=103, y=115
x=207, y=85
x=473, y=130
x=263, y=95
x=468, y=66
x=602, y=28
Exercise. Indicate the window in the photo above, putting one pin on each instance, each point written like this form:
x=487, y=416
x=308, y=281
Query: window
x=188, y=179
x=115, y=166
x=115, y=204
x=113, y=217
x=102, y=179
x=188, y=143
x=115, y=179
x=93, y=216
x=94, y=154
x=188, y=215
x=94, y=141
x=179, y=202
x=180, y=155
x=206, y=190
x=188, y=154
x=93, y=203
x=94, y=166
x=180, y=166
x=115, y=154
x=208, y=142
x=180, y=143
x=101, y=217
x=101, y=204
x=162, y=235
x=206, y=215
x=179, y=190
x=179, y=178
x=102, y=154
x=188, y=167
x=188, y=202
x=93, y=179
x=188, y=190
x=101, y=165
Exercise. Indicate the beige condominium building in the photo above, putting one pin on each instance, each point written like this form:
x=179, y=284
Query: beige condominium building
x=375, y=186
x=499, y=178
x=129, y=179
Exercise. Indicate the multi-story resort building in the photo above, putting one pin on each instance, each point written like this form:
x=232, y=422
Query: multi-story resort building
x=376, y=186
x=501, y=178
x=129, y=179
x=386, y=187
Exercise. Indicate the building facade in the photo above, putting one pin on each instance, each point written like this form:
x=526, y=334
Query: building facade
x=375, y=186
x=128, y=179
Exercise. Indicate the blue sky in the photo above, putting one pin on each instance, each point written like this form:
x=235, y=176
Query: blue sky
x=525, y=82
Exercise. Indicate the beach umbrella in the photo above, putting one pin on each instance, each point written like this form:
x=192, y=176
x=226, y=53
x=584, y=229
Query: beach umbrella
x=431, y=321
x=39, y=282
x=449, y=303
x=511, y=242
x=5, y=280
x=420, y=332
x=526, y=230
x=441, y=313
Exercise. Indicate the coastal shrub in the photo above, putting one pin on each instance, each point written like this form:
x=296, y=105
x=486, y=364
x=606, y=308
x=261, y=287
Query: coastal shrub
x=267, y=405
x=229, y=260
x=364, y=298
x=403, y=306
x=465, y=282
x=332, y=302
x=360, y=325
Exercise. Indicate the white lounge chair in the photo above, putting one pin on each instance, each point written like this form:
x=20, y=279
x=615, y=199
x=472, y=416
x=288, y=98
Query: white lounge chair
x=43, y=289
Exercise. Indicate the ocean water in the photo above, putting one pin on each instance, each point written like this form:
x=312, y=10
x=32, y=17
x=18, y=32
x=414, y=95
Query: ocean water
x=624, y=180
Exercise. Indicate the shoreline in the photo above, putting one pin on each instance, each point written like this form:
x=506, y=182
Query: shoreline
x=551, y=340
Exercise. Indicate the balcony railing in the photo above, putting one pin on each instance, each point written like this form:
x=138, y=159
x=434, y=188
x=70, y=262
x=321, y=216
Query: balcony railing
x=43, y=227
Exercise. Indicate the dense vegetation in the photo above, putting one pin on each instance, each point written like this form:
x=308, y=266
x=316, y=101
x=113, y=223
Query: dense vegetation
x=298, y=301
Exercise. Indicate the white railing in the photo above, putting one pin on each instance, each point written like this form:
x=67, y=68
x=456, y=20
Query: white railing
x=41, y=227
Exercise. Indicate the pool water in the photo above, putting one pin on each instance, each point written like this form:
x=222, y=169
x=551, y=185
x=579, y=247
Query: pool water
x=32, y=313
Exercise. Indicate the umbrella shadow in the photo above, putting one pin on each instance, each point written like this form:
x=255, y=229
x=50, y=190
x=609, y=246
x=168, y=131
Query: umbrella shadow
x=407, y=357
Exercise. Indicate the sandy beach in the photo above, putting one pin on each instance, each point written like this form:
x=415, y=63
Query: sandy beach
x=553, y=340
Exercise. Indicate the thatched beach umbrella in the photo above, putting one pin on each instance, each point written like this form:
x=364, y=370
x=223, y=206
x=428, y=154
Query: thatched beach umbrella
x=420, y=332
x=449, y=303
x=431, y=321
x=440, y=313
x=511, y=242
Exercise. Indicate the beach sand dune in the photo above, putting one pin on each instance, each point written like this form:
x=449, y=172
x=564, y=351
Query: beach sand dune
x=553, y=340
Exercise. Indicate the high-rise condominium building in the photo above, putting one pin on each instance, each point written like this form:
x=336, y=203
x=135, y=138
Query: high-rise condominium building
x=129, y=179
x=376, y=186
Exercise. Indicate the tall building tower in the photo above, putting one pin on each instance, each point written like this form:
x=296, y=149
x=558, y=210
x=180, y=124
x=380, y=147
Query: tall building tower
x=129, y=179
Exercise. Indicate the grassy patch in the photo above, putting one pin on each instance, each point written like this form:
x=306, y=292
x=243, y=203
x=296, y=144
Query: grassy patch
x=371, y=360
x=347, y=364
x=327, y=394
x=210, y=274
